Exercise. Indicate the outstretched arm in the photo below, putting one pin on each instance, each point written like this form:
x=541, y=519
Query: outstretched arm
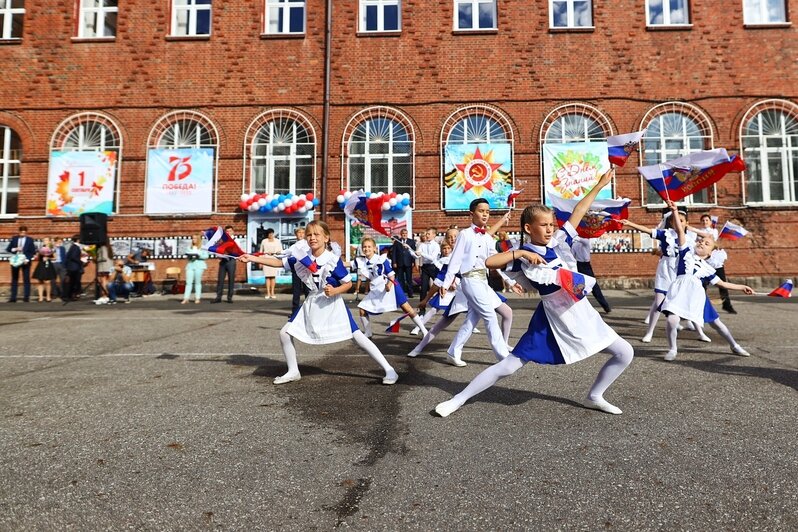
x=500, y=260
x=498, y=225
x=584, y=204
x=638, y=227
x=732, y=286
x=274, y=262
x=677, y=223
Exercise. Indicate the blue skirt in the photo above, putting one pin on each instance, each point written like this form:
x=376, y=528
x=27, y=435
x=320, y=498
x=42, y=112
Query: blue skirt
x=538, y=344
x=710, y=314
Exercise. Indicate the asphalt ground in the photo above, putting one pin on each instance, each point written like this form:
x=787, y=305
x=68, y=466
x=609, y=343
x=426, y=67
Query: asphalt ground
x=160, y=416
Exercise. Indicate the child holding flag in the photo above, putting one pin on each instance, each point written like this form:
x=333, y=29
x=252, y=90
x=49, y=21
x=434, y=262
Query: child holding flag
x=562, y=330
x=385, y=295
x=687, y=298
x=323, y=318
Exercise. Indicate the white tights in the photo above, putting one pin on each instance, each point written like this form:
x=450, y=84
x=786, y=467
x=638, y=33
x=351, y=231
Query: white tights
x=653, y=312
x=621, y=351
x=289, y=352
x=672, y=330
x=467, y=329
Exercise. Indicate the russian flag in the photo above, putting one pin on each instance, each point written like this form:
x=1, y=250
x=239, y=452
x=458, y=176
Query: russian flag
x=575, y=284
x=300, y=251
x=785, y=290
x=394, y=326
x=603, y=215
x=714, y=220
x=220, y=243
x=365, y=210
x=513, y=194
x=675, y=180
x=732, y=231
x=620, y=147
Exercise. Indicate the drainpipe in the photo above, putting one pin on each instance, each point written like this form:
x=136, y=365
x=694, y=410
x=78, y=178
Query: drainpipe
x=325, y=150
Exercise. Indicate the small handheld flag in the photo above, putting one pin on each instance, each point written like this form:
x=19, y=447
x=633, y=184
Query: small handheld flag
x=603, y=215
x=732, y=231
x=366, y=210
x=220, y=243
x=675, y=180
x=511, y=198
x=785, y=290
x=620, y=147
x=394, y=326
x=714, y=220
x=575, y=284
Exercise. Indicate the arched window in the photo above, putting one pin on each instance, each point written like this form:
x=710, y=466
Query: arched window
x=379, y=148
x=85, y=153
x=672, y=131
x=477, y=157
x=282, y=154
x=10, y=157
x=575, y=123
x=769, y=140
x=181, y=165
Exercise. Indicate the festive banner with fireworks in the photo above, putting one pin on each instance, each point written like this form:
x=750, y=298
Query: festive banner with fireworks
x=81, y=181
x=474, y=171
x=570, y=170
x=179, y=181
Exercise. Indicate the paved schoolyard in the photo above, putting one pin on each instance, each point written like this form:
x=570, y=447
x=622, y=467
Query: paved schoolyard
x=160, y=416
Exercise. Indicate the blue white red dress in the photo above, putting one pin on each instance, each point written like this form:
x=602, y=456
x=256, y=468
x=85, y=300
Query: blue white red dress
x=668, y=241
x=687, y=297
x=561, y=331
x=377, y=270
x=321, y=319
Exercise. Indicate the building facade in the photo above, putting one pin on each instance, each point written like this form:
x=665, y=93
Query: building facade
x=290, y=98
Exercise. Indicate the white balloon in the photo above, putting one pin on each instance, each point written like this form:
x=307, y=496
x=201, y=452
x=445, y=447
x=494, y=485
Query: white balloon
x=288, y=203
x=244, y=197
x=262, y=202
x=386, y=206
x=281, y=207
x=302, y=210
x=340, y=198
x=406, y=208
x=347, y=194
x=392, y=202
x=254, y=207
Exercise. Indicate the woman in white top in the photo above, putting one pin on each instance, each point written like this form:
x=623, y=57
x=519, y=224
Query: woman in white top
x=270, y=247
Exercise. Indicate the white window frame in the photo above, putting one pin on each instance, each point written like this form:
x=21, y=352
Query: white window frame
x=381, y=5
x=285, y=7
x=570, y=14
x=5, y=169
x=475, y=15
x=663, y=153
x=99, y=15
x=9, y=14
x=788, y=152
x=293, y=157
x=191, y=9
x=763, y=14
x=666, y=15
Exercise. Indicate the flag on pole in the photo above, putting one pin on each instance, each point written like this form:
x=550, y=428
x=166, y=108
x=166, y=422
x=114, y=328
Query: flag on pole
x=511, y=198
x=732, y=231
x=366, y=210
x=603, y=215
x=575, y=284
x=220, y=243
x=714, y=220
x=785, y=290
x=674, y=180
x=620, y=147
x=394, y=326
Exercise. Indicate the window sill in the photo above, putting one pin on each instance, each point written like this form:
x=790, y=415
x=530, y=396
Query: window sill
x=582, y=29
x=772, y=205
x=188, y=37
x=670, y=27
x=475, y=32
x=690, y=206
x=191, y=216
x=10, y=41
x=397, y=33
x=772, y=26
x=273, y=36
x=8, y=217
x=93, y=39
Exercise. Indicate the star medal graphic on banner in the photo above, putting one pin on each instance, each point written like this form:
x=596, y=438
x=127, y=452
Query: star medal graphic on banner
x=478, y=172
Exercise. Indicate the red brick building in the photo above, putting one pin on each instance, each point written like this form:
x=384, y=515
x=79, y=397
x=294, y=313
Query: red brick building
x=288, y=105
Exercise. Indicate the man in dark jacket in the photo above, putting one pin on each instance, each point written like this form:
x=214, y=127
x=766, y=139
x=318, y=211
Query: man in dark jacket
x=402, y=260
x=70, y=289
x=23, y=249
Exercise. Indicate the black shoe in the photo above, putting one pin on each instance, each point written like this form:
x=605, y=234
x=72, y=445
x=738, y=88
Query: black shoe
x=26, y=300
x=729, y=309
x=216, y=301
x=12, y=300
x=229, y=300
x=607, y=310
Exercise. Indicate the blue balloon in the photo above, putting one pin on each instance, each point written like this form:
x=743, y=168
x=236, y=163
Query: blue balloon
x=368, y=194
x=405, y=201
x=316, y=202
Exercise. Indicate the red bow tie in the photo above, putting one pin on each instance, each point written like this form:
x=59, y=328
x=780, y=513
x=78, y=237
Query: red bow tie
x=479, y=230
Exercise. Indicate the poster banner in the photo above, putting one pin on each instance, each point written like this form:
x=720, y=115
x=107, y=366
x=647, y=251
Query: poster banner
x=472, y=171
x=571, y=169
x=81, y=181
x=283, y=227
x=393, y=223
x=180, y=181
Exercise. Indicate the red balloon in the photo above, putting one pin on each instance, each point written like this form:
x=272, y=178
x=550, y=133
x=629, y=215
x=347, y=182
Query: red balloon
x=243, y=205
x=309, y=196
x=300, y=203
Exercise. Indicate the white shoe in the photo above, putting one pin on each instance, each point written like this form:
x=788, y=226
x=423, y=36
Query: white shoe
x=288, y=377
x=738, y=350
x=646, y=321
x=414, y=353
x=680, y=327
x=604, y=406
x=414, y=332
x=455, y=361
x=704, y=338
x=670, y=356
x=447, y=407
x=690, y=326
x=646, y=339
x=475, y=331
x=390, y=377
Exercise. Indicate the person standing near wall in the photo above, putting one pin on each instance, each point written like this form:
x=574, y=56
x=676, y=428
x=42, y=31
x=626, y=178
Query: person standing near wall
x=227, y=267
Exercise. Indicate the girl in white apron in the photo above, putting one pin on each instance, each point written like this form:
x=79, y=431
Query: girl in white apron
x=323, y=318
x=562, y=330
